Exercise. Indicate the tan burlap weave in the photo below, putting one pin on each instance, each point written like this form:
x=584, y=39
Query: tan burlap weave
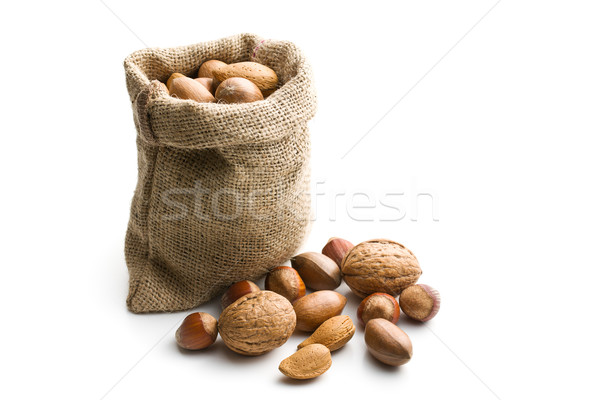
x=222, y=191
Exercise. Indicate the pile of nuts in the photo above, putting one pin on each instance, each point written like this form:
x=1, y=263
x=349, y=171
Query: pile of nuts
x=255, y=321
x=242, y=82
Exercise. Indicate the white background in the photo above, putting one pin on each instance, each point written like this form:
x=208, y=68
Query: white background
x=501, y=129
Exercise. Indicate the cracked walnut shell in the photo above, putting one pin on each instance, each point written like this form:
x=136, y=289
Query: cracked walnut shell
x=257, y=323
x=380, y=265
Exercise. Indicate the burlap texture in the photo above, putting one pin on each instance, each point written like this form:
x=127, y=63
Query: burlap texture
x=222, y=191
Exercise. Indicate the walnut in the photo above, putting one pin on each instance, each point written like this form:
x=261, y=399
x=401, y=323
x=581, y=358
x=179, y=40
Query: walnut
x=257, y=323
x=380, y=265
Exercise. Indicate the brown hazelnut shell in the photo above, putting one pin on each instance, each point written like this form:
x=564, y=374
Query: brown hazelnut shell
x=236, y=291
x=197, y=331
x=286, y=282
x=378, y=305
x=420, y=302
x=336, y=249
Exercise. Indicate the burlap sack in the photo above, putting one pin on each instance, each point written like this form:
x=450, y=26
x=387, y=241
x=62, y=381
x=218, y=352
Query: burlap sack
x=222, y=191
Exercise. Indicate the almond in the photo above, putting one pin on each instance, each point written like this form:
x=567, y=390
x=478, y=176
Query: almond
x=333, y=333
x=307, y=363
x=262, y=76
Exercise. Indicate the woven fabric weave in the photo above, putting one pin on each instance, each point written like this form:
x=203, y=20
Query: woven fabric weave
x=223, y=190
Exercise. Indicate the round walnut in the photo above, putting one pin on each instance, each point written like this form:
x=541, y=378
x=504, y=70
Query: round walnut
x=257, y=323
x=380, y=265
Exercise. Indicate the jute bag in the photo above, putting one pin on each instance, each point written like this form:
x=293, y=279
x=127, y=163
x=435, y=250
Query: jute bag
x=223, y=190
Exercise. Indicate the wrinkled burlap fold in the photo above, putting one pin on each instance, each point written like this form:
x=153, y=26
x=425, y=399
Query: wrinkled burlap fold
x=223, y=190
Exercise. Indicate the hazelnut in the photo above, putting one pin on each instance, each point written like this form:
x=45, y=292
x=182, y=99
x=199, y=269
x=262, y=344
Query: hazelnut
x=286, y=282
x=318, y=271
x=336, y=249
x=378, y=305
x=237, y=90
x=197, y=331
x=238, y=290
x=420, y=302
